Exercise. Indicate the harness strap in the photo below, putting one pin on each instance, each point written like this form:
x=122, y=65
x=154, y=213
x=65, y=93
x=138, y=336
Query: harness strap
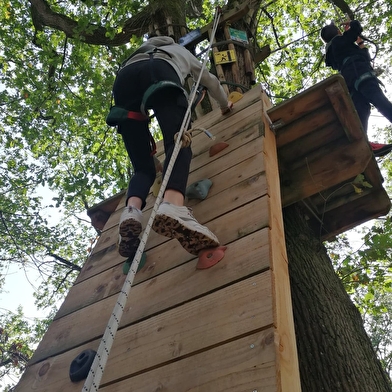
x=117, y=115
x=154, y=88
x=137, y=116
x=365, y=76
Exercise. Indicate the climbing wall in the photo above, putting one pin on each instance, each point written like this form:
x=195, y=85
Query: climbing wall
x=226, y=328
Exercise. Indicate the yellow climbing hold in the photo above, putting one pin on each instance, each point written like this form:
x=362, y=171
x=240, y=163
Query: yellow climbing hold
x=235, y=96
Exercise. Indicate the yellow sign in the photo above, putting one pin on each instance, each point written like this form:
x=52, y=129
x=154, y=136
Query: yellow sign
x=227, y=56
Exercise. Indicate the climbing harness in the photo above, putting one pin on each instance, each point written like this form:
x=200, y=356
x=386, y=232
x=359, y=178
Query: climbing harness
x=118, y=115
x=97, y=368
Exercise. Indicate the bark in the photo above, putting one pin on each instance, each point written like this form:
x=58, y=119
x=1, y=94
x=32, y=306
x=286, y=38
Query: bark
x=335, y=353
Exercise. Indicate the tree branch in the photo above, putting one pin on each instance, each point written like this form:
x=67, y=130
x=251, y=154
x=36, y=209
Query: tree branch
x=72, y=266
x=43, y=16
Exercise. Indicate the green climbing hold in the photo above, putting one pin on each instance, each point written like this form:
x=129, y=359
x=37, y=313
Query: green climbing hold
x=199, y=189
x=128, y=262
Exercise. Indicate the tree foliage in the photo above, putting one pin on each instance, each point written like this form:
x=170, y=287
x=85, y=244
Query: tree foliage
x=58, y=157
x=18, y=337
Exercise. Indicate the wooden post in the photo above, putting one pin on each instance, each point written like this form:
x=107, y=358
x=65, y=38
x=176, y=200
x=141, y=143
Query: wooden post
x=234, y=66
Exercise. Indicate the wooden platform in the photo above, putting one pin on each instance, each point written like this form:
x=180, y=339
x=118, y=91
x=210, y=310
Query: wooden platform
x=325, y=161
x=227, y=328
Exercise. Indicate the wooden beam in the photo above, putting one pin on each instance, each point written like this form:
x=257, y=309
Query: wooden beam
x=100, y=213
x=287, y=357
x=371, y=205
x=341, y=101
x=336, y=165
x=262, y=54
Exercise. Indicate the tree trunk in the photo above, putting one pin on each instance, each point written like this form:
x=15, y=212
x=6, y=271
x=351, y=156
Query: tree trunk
x=335, y=353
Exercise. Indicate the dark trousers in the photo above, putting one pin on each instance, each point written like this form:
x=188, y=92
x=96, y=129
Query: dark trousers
x=169, y=107
x=369, y=92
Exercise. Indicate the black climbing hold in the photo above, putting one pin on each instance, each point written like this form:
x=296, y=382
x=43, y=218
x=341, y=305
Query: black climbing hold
x=81, y=365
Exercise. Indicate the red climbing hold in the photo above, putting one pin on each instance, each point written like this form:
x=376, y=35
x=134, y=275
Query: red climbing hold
x=209, y=257
x=218, y=147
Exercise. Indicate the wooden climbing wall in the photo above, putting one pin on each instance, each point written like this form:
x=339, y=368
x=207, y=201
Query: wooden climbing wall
x=227, y=328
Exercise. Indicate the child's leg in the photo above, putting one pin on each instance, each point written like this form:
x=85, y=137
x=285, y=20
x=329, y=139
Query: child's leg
x=371, y=90
x=362, y=107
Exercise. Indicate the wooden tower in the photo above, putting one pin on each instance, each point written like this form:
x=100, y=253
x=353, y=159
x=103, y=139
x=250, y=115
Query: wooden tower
x=225, y=328
x=229, y=327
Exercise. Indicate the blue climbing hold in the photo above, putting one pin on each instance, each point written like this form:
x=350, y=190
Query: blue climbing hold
x=198, y=190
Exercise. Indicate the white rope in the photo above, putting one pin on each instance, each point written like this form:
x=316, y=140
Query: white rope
x=97, y=368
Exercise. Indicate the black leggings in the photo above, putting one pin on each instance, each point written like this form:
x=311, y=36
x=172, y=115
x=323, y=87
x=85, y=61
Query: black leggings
x=369, y=92
x=169, y=107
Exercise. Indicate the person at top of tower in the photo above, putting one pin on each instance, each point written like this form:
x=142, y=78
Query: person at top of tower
x=160, y=59
x=346, y=52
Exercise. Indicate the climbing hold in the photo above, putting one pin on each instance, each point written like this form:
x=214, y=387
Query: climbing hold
x=210, y=257
x=218, y=147
x=157, y=184
x=235, y=96
x=128, y=262
x=81, y=365
x=199, y=189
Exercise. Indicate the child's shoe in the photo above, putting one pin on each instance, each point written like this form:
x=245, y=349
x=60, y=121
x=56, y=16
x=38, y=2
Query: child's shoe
x=379, y=150
x=178, y=222
x=129, y=230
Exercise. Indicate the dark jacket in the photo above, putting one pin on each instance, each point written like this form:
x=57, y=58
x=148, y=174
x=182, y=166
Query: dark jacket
x=344, y=55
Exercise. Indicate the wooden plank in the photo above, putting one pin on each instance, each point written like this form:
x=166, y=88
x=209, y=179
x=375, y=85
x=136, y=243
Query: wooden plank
x=339, y=198
x=105, y=255
x=308, y=144
x=234, y=311
x=252, y=368
x=338, y=164
x=166, y=256
x=309, y=123
x=224, y=315
x=373, y=174
x=288, y=378
x=208, y=167
x=372, y=205
x=100, y=213
x=166, y=290
x=100, y=261
x=215, y=117
x=237, y=138
x=345, y=110
x=303, y=103
x=222, y=182
x=344, y=193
